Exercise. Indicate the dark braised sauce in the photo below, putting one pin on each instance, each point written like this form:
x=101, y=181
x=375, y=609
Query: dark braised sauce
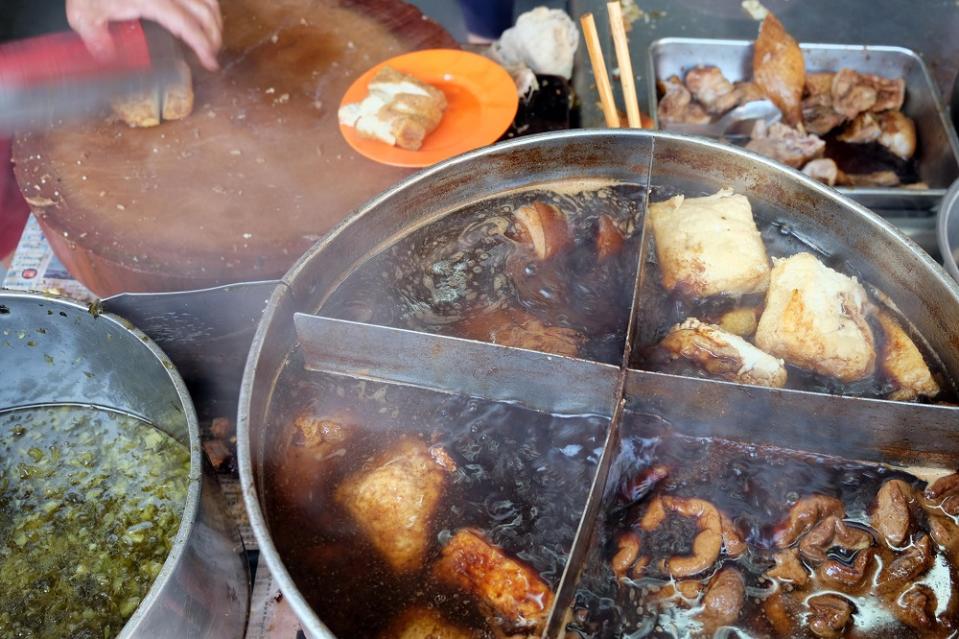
x=755, y=486
x=470, y=262
x=662, y=310
x=522, y=479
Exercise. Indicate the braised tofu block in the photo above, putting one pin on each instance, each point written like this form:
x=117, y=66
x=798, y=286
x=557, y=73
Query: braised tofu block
x=510, y=593
x=902, y=363
x=423, y=623
x=393, y=500
x=815, y=318
x=709, y=245
x=157, y=103
x=400, y=110
x=723, y=354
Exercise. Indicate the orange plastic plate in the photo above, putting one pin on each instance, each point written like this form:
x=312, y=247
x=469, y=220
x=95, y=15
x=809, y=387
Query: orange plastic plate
x=481, y=99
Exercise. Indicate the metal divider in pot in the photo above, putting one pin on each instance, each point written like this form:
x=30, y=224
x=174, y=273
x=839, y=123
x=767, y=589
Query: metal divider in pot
x=330, y=343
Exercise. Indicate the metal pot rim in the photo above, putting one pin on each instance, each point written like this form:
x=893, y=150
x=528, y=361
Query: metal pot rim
x=304, y=612
x=949, y=208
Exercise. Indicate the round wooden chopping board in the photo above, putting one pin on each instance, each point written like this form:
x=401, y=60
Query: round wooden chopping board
x=242, y=187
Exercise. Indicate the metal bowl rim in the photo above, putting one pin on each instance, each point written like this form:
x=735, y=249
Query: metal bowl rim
x=948, y=209
x=304, y=612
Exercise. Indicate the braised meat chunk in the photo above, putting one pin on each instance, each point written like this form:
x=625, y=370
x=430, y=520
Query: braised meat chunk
x=393, y=500
x=815, y=318
x=511, y=593
x=897, y=133
x=785, y=144
x=854, y=92
x=423, y=623
x=723, y=354
x=709, y=245
x=512, y=327
x=822, y=169
x=677, y=104
x=778, y=68
x=862, y=129
x=902, y=363
x=543, y=227
x=711, y=89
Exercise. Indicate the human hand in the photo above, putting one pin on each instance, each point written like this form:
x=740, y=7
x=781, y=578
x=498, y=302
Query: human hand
x=197, y=22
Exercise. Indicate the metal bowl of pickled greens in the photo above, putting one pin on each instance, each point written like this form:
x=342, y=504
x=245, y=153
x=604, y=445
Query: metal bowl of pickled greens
x=109, y=524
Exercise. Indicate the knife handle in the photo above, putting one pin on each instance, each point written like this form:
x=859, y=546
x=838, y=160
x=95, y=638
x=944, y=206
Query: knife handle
x=54, y=57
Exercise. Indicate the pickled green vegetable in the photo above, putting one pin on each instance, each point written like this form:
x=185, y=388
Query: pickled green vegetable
x=90, y=502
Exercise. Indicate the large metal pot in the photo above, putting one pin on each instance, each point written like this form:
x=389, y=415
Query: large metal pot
x=75, y=356
x=834, y=225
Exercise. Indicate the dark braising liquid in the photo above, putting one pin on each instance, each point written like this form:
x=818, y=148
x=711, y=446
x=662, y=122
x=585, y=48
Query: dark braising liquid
x=522, y=479
x=661, y=310
x=470, y=262
x=755, y=486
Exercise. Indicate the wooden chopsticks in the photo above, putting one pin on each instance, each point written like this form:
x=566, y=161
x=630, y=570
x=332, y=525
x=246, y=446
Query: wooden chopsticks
x=626, y=77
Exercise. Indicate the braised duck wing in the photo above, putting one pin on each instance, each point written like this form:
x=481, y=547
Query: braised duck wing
x=779, y=69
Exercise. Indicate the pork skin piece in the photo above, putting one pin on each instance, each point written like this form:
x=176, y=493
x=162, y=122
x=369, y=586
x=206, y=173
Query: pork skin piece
x=822, y=169
x=723, y=354
x=711, y=89
x=815, y=319
x=709, y=245
x=421, y=622
x=785, y=144
x=898, y=133
x=513, y=327
x=512, y=595
x=393, y=500
x=853, y=93
x=677, y=105
x=778, y=68
x=902, y=362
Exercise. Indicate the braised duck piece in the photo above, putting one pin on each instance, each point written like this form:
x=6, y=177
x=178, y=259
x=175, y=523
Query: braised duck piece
x=789, y=568
x=513, y=327
x=829, y=615
x=542, y=227
x=785, y=144
x=421, y=622
x=723, y=600
x=853, y=93
x=815, y=318
x=892, y=517
x=510, y=593
x=822, y=169
x=818, y=115
x=778, y=68
x=723, y=354
x=709, y=245
x=902, y=363
x=878, y=178
x=393, y=500
x=677, y=104
x=711, y=89
x=897, y=133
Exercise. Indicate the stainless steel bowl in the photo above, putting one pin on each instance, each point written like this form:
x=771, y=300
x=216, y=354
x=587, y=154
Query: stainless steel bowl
x=75, y=357
x=830, y=222
x=947, y=229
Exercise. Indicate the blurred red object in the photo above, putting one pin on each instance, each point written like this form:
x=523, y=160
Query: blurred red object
x=13, y=208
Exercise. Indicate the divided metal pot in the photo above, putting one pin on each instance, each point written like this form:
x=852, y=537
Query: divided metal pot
x=826, y=221
x=55, y=352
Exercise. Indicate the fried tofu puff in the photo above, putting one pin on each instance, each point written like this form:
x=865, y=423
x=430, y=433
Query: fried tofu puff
x=902, y=363
x=170, y=101
x=393, y=500
x=510, y=593
x=815, y=319
x=423, y=623
x=709, y=245
x=723, y=354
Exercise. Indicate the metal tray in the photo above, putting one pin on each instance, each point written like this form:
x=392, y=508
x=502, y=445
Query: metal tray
x=938, y=146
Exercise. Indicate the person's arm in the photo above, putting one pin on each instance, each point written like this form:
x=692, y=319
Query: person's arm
x=197, y=22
